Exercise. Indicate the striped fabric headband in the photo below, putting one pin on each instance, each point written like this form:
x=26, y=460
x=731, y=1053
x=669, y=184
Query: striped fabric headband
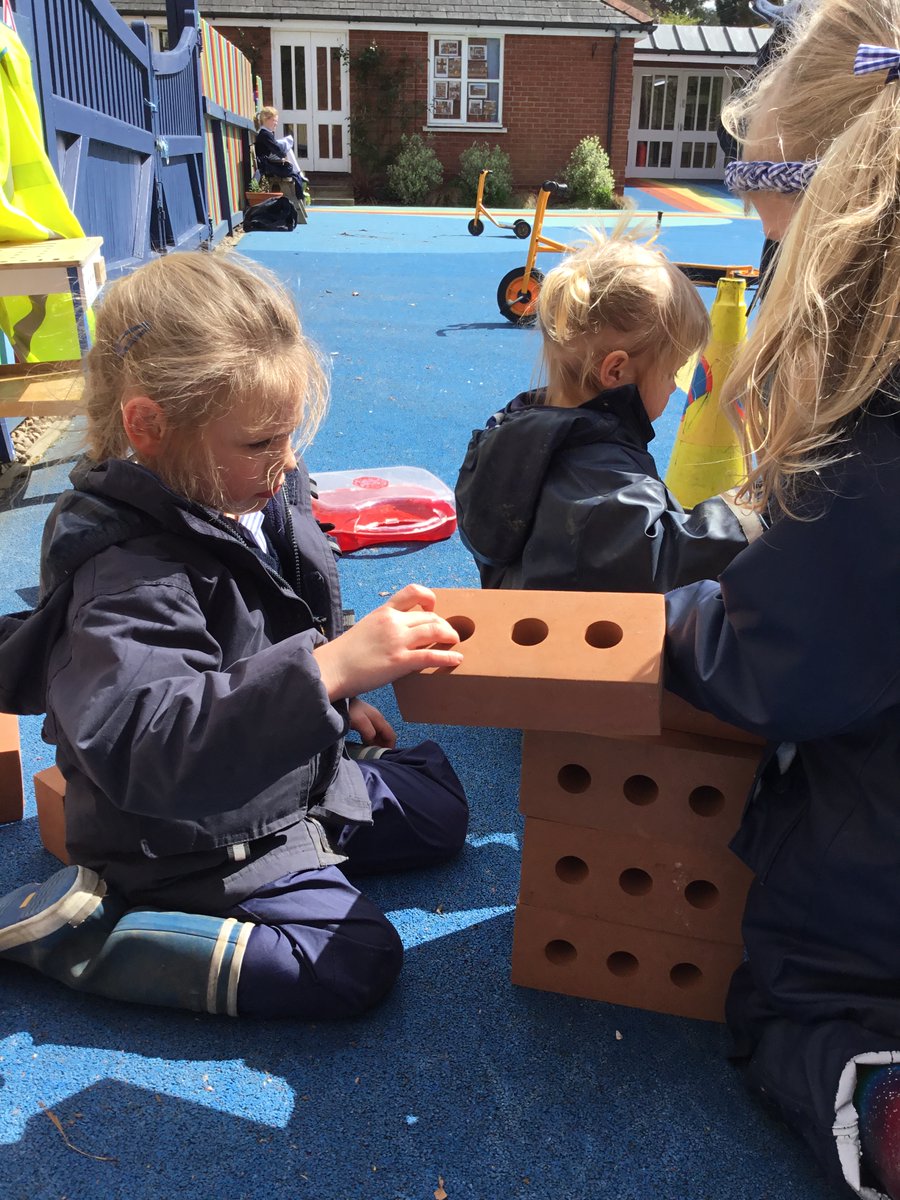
x=791, y=177
x=759, y=176
x=877, y=58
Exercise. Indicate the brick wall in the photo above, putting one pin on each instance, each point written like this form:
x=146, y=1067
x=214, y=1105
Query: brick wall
x=555, y=92
x=255, y=43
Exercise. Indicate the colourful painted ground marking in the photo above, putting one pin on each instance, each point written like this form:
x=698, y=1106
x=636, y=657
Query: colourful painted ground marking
x=689, y=198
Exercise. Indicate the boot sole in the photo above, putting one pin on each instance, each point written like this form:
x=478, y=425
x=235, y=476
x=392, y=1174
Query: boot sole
x=76, y=904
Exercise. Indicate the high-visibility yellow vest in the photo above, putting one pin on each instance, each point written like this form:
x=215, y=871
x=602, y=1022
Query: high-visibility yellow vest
x=33, y=208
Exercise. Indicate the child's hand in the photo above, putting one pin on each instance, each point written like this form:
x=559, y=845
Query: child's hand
x=402, y=636
x=371, y=725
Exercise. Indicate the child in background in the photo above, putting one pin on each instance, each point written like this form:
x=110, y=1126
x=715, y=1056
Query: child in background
x=188, y=653
x=800, y=640
x=275, y=157
x=560, y=491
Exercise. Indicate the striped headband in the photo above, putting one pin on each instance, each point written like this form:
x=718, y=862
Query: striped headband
x=877, y=58
x=758, y=176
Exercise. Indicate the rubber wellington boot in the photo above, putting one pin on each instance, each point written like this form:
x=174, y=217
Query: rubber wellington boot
x=72, y=929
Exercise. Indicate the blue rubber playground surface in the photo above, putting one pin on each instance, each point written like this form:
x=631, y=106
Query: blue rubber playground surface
x=461, y=1086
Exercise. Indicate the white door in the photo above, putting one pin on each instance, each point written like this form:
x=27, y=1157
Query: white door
x=674, y=117
x=310, y=82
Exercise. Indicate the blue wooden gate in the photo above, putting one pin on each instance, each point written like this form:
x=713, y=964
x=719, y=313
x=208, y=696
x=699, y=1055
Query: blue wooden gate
x=124, y=126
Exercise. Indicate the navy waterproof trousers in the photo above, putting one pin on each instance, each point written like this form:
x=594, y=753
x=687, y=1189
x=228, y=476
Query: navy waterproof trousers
x=320, y=948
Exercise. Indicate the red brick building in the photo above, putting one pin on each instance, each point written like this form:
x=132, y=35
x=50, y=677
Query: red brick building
x=532, y=76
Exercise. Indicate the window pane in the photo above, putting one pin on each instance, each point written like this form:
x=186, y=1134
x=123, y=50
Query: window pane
x=646, y=98
x=323, y=142
x=653, y=156
x=671, y=97
x=322, y=78
x=337, y=141
x=665, y=158
x=300, y=78
x=335, y=81
x=300, y=135
x=687, y=149
x=715, y=104
x=287, y=79
x=711, y=155
x=690, y=103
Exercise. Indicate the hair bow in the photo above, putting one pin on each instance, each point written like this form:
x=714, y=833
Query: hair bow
x=877, y=58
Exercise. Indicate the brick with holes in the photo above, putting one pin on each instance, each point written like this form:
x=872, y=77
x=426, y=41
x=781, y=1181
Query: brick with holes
x=677, y=787
x=11, y=795
x=697, y=891
x=621, y=964
x=50, y=794
x=584, y=661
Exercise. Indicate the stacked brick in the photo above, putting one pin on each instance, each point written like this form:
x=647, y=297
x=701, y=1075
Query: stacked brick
x=628, y=891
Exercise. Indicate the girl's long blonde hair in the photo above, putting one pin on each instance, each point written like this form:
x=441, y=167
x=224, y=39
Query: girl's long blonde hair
x=616, y=292
x=828, y=333
x=198, y=333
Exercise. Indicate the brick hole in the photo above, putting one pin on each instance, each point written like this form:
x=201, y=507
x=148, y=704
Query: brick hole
x=706, y=801
x=622, y=963
x=686, y=975
x=636, y=882
x=530, y=631
x=640, y=789
x=700, y=893
x=560, y=952
x=603, y=635
x=464, y=626
x=574, y=778
x=572, y=869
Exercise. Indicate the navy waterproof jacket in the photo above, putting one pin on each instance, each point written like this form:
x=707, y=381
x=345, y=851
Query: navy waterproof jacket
x=177, y=674
x=570, y=499
x=799, y=641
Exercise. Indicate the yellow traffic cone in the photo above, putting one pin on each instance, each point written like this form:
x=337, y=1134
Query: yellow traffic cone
x=706, y=458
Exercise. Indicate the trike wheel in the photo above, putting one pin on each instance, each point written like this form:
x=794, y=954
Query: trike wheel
x=476, y=228
x=521, y=228
x=517, y=302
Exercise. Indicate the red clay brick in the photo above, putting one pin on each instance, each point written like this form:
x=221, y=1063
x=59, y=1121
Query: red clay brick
x=677, y=787
x=621, y=964
x=695, y=891
x=11, y=796
x=588, y=661
x=50, y=793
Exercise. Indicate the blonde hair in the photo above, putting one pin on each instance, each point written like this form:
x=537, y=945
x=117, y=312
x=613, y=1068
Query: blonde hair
x=199, y=333
x=615, y=287
x=828, y=332
x=264, y=114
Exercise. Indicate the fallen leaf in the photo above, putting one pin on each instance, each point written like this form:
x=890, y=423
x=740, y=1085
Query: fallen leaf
x=618, y=1036
x=440, y=1194
x=354, y=293
x=440, y=910
x=65, y=1137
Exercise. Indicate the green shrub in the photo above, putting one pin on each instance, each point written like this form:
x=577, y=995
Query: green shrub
x=416, y=171
x=588, y=174
x=498, y=186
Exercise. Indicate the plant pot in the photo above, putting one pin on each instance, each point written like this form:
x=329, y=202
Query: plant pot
x=258, y=197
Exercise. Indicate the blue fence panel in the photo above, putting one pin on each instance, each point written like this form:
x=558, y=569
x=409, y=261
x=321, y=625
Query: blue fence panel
x=181, y=131
x=124, y=127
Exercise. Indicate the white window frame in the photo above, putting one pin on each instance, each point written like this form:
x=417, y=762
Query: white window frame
x=462, y=122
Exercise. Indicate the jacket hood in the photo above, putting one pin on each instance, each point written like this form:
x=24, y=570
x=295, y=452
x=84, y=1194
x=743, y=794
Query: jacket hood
x=506, y=464
x=84, y=522
x=109, y=503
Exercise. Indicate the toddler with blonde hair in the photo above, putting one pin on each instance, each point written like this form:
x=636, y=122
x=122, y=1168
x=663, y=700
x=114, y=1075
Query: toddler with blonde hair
x=560, y=491
x=189, y=653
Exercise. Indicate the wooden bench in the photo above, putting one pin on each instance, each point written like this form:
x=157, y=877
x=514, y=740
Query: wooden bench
x=40, y=389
